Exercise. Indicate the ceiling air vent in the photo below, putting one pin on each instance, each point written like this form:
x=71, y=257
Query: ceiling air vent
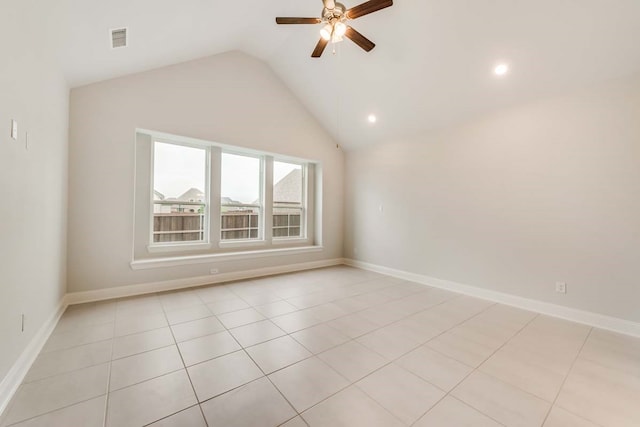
x=119, y=38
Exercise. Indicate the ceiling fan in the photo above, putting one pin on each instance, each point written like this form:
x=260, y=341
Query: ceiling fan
x=334, y=16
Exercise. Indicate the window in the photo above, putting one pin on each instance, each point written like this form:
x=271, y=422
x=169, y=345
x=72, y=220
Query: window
x=179, y=193
x=204, y=198
x=288, y=208
x=241, y=198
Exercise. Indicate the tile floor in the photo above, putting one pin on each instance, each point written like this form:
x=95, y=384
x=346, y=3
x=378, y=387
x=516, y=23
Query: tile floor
x=329, y=347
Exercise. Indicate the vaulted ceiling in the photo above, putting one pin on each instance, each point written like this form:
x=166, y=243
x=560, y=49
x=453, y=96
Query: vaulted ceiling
x=432, y=65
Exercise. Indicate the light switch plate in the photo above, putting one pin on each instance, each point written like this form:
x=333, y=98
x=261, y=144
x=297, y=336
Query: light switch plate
x=14, y=130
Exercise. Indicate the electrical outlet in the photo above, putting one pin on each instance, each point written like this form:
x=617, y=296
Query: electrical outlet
x=561, y=287
x=213, y=271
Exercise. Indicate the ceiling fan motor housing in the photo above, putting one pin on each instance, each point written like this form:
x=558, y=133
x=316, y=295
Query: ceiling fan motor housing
x=338, y=12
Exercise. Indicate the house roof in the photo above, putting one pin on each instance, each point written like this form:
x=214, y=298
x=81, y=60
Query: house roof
x=432, y=64
x=289, y=188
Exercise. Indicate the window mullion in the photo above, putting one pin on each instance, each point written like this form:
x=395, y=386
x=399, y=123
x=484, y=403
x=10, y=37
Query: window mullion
x=267, y=179
x=215, y=184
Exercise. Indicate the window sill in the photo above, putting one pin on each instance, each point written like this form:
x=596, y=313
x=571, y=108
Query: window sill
x=178, y=247
x=241, y=243
x=276, y=241
x=208, y=258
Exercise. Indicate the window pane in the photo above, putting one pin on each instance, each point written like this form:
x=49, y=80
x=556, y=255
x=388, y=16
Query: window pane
x=240, y=202
x=179, y=200
x=287, y=199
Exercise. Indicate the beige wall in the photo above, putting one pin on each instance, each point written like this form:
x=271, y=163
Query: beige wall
x=513, y=201
x=230, y=98
x=33, y=182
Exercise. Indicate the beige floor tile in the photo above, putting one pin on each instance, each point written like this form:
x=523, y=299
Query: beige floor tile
x=353, y=360
x=150, y=401
x=382, y=315
x=222, y=374
x=310, y=300
x=49, y=394
x=390, y=341
x=261, y=298
x=227, y=306
x=214, y=293
x=256, y=333
x=326, y=312
x=295, y=321
x=86, y=315
x=178, y=300
x=450, y=412
x=361, y=302
x=500, y=401
x=353, y=325
x=141, y=342
x=89, y=413
x=138, y=306
x=469, y=351
x=74, y=338
x=558, y=417
x=197, y=328
x=144, y=366
x=552, y=337
x=240, y=317
x=139, y=323
x=277, y=308
x=58, y=362
x=277, y=353
x=295, y=422
x=436, y=368
x=296, y=291
x=308, y=382
x=613, y=350
x=602, y=395
x=258, y=403
x=350, y=408
x=319, y=338
x=207, y=347
x=191, y=417
x=188, y=314
x=400, y=392
x=528, y=371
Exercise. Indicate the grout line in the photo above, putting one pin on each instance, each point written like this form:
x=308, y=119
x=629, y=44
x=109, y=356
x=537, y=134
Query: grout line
x=259, y=367
x=106, y=400
x=175, y=342
x=171, y=415
x=564, y=380
x=475, y=369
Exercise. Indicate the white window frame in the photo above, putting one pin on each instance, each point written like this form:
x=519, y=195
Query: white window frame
x=303, y=208
x=207, y=214
x=151, y=254
x=261, y=207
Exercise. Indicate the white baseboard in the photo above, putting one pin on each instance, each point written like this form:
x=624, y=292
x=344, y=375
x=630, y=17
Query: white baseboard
x=170, y=285
x=575, y=315
x=16, y=374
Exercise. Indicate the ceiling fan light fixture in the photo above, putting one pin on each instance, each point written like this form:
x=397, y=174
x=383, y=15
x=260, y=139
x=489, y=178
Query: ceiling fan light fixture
x=340, y=28
x=326, y=32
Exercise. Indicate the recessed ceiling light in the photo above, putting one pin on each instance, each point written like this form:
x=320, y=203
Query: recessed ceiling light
x=501, y=69
x=372, y=118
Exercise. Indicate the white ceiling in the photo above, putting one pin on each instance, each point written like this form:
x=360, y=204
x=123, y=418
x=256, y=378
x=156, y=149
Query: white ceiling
x=432, y=64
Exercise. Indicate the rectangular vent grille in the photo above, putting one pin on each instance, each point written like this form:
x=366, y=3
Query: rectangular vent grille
x=119, y=38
